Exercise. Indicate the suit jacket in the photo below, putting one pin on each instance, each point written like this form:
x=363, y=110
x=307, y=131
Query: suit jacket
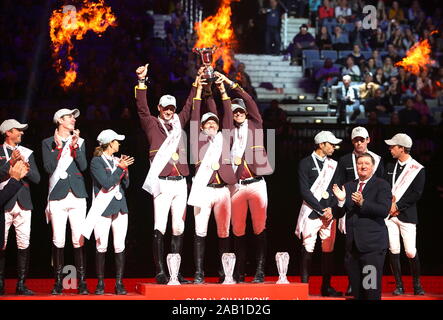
x=307, y=174
x=407, y=205
x=75, y=180
x=365, y=225
x=345, y=169
x=103, y=178
x=199, y=147
x=155, y=134
x=9, y=191
x=23, y=196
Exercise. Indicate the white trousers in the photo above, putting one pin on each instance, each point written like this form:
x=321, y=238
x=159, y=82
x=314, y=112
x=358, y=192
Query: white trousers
x=220, y=201
x=174, y=199
x=317, y=226
x=407, y=232
x=73, y=208
x=255, y=197
x=21, y=219
x=119, y=223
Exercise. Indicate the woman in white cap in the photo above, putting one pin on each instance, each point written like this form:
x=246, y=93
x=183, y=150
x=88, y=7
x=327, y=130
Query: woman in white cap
x=109, y=207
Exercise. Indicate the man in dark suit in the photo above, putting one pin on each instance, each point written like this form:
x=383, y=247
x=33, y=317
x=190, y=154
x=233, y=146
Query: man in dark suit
x=366, y=202
x=16, y=173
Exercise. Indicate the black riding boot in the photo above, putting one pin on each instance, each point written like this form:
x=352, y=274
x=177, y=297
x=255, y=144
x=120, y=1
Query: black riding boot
x=415, y=271
x=394, y=260
x=261, y=243
x=327, y=267
x=100, y=258
x=58, y=263
x=80, y=264
x=119, y=270
x=199, y=258
x=224, y=246
x=2, y=272
x=22, y=272
x=305, y=265
x=159, y=256
x=240, y=256
x=176, y=247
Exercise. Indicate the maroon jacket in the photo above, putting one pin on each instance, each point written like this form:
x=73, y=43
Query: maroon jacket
x=225, y=173
x=155, y=134
x=255, y=152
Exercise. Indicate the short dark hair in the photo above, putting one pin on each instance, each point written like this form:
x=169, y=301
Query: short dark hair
x=366, y=155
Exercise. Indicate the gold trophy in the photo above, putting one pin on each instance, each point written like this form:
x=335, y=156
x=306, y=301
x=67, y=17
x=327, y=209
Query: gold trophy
x=206, y=55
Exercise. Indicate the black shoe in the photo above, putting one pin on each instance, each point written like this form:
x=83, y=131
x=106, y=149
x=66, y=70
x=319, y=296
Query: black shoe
x=120, y=288
x=100, y=288
x=398, y=291
x=415, y=271
x=240, y=255
x=394, y=260
x=158, y=249
x=80, y=264
x=100, y=258
x=182, y=280
x=327, y=271
x=330, y=292
x=261, y=243
x=58, y=263
x=177, y=247
x=22, y=271
x=199, y=257
x=305, y=265
x=119, y=271
x=418, y=290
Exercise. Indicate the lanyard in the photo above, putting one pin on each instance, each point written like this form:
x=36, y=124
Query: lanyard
x=107, y=162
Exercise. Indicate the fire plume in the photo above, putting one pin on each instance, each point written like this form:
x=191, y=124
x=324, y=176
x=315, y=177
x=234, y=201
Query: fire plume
x=417, y=58
x=217, y=30
x=67, y=24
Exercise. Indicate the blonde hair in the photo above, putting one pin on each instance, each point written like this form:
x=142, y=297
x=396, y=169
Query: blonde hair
x=98, y=151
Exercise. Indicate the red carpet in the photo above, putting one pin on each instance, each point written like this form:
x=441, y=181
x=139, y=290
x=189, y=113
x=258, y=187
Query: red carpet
x=433, y=286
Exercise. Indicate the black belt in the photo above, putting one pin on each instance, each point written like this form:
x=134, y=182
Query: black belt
x=174, y=178
x=251, y=180
x=217, y=185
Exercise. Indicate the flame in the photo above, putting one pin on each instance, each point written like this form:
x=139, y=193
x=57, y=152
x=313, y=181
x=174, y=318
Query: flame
x=217, y=30
x=417, y=58
x=439, y=84
x=67, y=24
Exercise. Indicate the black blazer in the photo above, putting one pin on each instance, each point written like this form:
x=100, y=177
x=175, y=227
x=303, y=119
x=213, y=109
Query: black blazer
x=407, y=205
x=365, y=225
x=7, y=193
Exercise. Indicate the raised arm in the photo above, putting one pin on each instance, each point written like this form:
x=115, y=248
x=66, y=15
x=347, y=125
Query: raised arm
x=195, y=122
x=228, y=118
x=140, y=96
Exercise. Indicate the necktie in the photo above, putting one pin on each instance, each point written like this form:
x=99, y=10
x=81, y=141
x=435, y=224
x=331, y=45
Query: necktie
x=360, y=187
x=168, y=126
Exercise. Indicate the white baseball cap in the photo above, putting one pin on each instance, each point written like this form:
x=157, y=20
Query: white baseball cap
x=359, y=132
x=207, y=116
x=63, y=112
x=167, y=100
x=12, y=124
x=238, y=104
x=326, y=136
x=108, y=135
x=400, y=139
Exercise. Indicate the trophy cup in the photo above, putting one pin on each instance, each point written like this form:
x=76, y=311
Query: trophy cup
x=206, y=56
x=228, y=261
x=282, y=260
x=173, y=260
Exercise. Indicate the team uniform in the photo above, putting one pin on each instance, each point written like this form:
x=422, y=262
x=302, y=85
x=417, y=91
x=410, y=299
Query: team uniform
x=210, y=184
x=316, y=178
x=166, y=179
x=17, y=212
x=407, y=180
x=250, y=163
x=66, y=200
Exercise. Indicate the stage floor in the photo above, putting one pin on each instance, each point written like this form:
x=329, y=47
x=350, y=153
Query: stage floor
x=146, y=289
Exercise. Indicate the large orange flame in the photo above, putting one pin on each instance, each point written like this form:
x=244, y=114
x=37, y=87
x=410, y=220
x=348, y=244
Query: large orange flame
x=67, y=24
x=417, y=58
x=217, y=30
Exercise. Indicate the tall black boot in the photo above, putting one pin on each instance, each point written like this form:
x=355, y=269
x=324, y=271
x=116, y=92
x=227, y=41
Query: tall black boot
x=224, y=246
x=159, y=256
x=240, y=256
x=261, y=243
x=327, y=264
x=80, y=265
x=176, y=247
x=119, y=270
x=305, y=265
x=199, y=258
x=415, y=271
x=2, y=272
x=58, y=263
x=100, y=258
x=22, y=272
x=394, y=260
